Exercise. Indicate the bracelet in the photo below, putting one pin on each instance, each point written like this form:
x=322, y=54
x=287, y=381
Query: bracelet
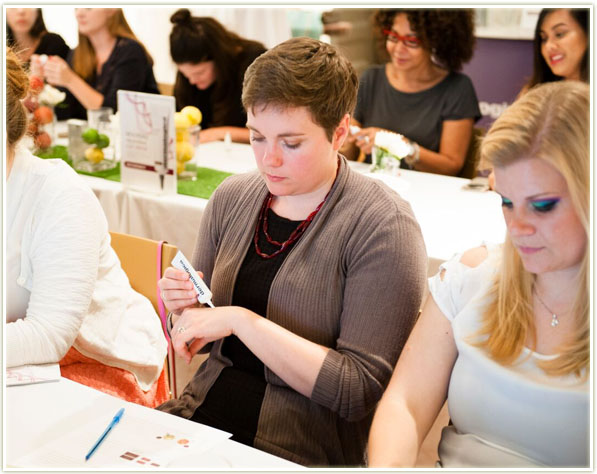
x=169, y=324
x=414, y=157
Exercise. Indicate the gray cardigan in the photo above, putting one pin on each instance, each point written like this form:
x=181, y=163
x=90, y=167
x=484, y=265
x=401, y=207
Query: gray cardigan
x=353, y=283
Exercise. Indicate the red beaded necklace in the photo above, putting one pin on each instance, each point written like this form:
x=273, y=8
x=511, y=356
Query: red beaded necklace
x=296, y=233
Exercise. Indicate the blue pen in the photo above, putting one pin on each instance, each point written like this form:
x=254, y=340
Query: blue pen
x=113, y=423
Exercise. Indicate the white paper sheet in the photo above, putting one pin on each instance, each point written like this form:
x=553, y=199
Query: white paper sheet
x=28, y=374
x=136, y=442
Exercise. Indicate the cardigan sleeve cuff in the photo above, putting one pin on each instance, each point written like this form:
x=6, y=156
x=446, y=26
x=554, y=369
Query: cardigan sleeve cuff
x=169, y=325
x=325, y=391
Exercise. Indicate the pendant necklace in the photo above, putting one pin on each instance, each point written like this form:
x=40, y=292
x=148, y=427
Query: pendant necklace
x=554, y=316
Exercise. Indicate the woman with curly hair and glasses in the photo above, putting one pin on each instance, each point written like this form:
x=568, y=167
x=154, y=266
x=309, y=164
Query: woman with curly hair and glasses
x=418, y=92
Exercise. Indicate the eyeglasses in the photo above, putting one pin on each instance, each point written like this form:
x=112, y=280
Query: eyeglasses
x=410, y=41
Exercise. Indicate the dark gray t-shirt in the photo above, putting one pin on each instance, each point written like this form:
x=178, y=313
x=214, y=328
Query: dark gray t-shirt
x=418, y=116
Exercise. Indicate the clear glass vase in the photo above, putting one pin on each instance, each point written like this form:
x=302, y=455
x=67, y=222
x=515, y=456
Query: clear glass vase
x=99, y=151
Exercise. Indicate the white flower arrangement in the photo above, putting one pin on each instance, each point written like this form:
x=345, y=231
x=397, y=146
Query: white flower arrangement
x=389, y=148
x=51, y=96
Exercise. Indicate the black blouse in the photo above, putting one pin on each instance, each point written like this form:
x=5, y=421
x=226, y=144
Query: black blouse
x=53, y=45
x=234, y=401
x=126, y=68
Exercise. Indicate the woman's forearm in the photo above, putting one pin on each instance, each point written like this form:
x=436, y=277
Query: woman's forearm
x=393, y=439
x=294, y=359
x=237, y=134
x=84, y=93
x=432, y=162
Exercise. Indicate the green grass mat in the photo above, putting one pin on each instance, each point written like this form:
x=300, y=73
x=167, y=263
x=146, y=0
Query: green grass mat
x=56, y=151
x=207, y=180
x=206, y=183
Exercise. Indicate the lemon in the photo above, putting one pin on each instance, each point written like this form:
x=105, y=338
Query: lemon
x=94, y=155
x=181, y=121
x=182, y=135
x=184, y=151
x=193, y=114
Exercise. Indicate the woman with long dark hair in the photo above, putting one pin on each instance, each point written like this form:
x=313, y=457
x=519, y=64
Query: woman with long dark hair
x=561, y=46
x=27, y=34
x=211, y=64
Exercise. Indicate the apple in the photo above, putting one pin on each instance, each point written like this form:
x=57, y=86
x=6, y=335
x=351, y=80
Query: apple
x=43, y=115
x=43, y=140
x=36, y=84
x=32, y=128
x=31, y=104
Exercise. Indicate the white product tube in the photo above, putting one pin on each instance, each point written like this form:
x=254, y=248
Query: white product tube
x=203, y=294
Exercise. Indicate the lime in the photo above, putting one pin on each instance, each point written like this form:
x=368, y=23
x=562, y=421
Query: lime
x=90, y=136
x=102, y=141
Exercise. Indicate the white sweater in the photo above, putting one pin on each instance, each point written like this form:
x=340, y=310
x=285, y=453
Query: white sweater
x=64, y=283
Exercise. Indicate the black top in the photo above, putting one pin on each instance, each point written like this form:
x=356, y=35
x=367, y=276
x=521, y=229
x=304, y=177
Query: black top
x=233, y=403
x=206, y=100
x=53, y=45
x=419, y=116
x=50, y=44
x=126, y=68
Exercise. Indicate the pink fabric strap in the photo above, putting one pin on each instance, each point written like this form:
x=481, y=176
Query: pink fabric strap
x=161, y=307
x=164, y=319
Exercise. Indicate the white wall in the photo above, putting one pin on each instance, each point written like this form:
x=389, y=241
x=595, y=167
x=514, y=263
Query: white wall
x=152, y=26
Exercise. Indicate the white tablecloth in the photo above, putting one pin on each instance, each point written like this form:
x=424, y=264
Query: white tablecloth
x=42, y=419
x=451, y=219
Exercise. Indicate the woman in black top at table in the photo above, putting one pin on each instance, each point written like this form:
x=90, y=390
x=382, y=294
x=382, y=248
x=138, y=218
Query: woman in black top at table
x=211, y=64
x=27, y=34
x=419, y=92
x=108, y=58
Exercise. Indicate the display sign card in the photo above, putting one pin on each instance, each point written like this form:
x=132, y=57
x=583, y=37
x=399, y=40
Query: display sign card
x=147, y=142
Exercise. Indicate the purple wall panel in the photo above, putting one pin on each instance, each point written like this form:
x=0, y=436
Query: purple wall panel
x=499, y=69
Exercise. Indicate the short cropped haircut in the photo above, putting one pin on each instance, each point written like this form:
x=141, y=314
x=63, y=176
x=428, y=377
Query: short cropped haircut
x=303, y=72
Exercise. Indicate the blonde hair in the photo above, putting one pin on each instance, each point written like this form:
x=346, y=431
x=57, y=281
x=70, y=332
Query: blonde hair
x=17, y=86
x=84, y=60
x=550, y=122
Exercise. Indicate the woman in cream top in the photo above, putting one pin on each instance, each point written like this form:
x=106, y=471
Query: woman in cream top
x=505, y=333
x=66, y=294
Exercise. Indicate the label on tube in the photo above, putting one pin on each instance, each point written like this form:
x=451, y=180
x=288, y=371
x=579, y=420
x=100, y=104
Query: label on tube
x=203, y=294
